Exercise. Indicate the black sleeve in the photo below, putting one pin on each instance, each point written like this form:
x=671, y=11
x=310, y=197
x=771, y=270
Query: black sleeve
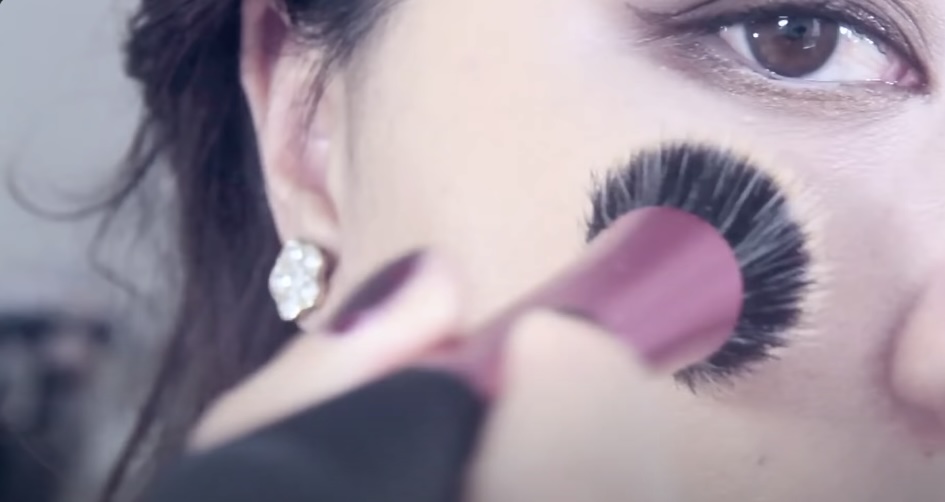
x=406, y=438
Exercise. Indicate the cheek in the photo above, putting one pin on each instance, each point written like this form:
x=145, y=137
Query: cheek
x=482, y=146
x=879, y=210
x=485, y=149
x=486, y=145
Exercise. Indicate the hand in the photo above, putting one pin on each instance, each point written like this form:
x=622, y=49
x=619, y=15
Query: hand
x=410, y=311
x=552, y=433
x=572, y=423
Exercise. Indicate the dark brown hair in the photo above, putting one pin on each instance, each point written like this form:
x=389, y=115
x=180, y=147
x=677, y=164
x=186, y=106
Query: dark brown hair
x=184, y=54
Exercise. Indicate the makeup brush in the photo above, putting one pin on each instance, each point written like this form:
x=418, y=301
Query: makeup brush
x=769, y=234
x=689, y=245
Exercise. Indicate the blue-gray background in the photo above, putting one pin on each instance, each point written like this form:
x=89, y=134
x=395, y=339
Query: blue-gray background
x=66, y=116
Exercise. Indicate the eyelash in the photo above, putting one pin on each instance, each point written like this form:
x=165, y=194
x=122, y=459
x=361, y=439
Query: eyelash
x=694, y=30
x=714, y=23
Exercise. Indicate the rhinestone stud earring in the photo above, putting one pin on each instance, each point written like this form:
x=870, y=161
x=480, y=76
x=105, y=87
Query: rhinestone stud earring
x=298, y=280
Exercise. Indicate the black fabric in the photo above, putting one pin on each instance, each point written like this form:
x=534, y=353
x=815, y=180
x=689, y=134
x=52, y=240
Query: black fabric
x=406, y=438
x=26, y=469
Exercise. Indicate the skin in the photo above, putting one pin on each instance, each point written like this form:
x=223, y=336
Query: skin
x=473, y=128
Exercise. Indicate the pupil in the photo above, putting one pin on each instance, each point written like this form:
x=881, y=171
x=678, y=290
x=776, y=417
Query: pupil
x=796, y=29
x=793, y=46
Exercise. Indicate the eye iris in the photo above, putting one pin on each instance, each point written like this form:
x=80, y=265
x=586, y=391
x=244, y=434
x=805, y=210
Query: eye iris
x=793, y=46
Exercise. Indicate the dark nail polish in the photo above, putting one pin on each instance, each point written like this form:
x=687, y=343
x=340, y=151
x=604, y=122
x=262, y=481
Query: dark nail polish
x=374, y=292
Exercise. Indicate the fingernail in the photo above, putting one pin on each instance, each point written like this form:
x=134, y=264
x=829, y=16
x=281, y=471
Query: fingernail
x=374, y=292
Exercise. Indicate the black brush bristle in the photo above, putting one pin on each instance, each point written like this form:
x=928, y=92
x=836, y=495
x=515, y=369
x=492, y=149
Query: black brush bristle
x=751, y=212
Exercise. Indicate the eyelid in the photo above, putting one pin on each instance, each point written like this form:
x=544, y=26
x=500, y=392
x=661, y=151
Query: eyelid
x=865, y=16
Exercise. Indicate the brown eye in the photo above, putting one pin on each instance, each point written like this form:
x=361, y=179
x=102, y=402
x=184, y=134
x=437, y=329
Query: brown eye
x=792, y=46
x=807, y=48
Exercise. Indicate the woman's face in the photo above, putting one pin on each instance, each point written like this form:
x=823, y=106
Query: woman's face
x=476, y=127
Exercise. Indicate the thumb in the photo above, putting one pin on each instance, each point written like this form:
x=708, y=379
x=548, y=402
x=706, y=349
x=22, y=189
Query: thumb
x=572, y=421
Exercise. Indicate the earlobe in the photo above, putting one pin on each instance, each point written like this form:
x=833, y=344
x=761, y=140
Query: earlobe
x=296, y=144
x=918, y=364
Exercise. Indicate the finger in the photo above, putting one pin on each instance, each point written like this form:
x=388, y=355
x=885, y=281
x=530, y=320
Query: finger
x=563, y=427
x=398, y=313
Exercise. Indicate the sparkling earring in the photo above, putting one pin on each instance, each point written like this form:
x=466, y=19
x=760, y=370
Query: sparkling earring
x=298, y=280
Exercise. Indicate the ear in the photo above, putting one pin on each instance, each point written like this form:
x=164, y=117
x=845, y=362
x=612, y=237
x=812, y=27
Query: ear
x=918, y=364
x=298, y=138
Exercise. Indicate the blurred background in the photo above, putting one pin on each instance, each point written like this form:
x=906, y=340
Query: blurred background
x=81, y=311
